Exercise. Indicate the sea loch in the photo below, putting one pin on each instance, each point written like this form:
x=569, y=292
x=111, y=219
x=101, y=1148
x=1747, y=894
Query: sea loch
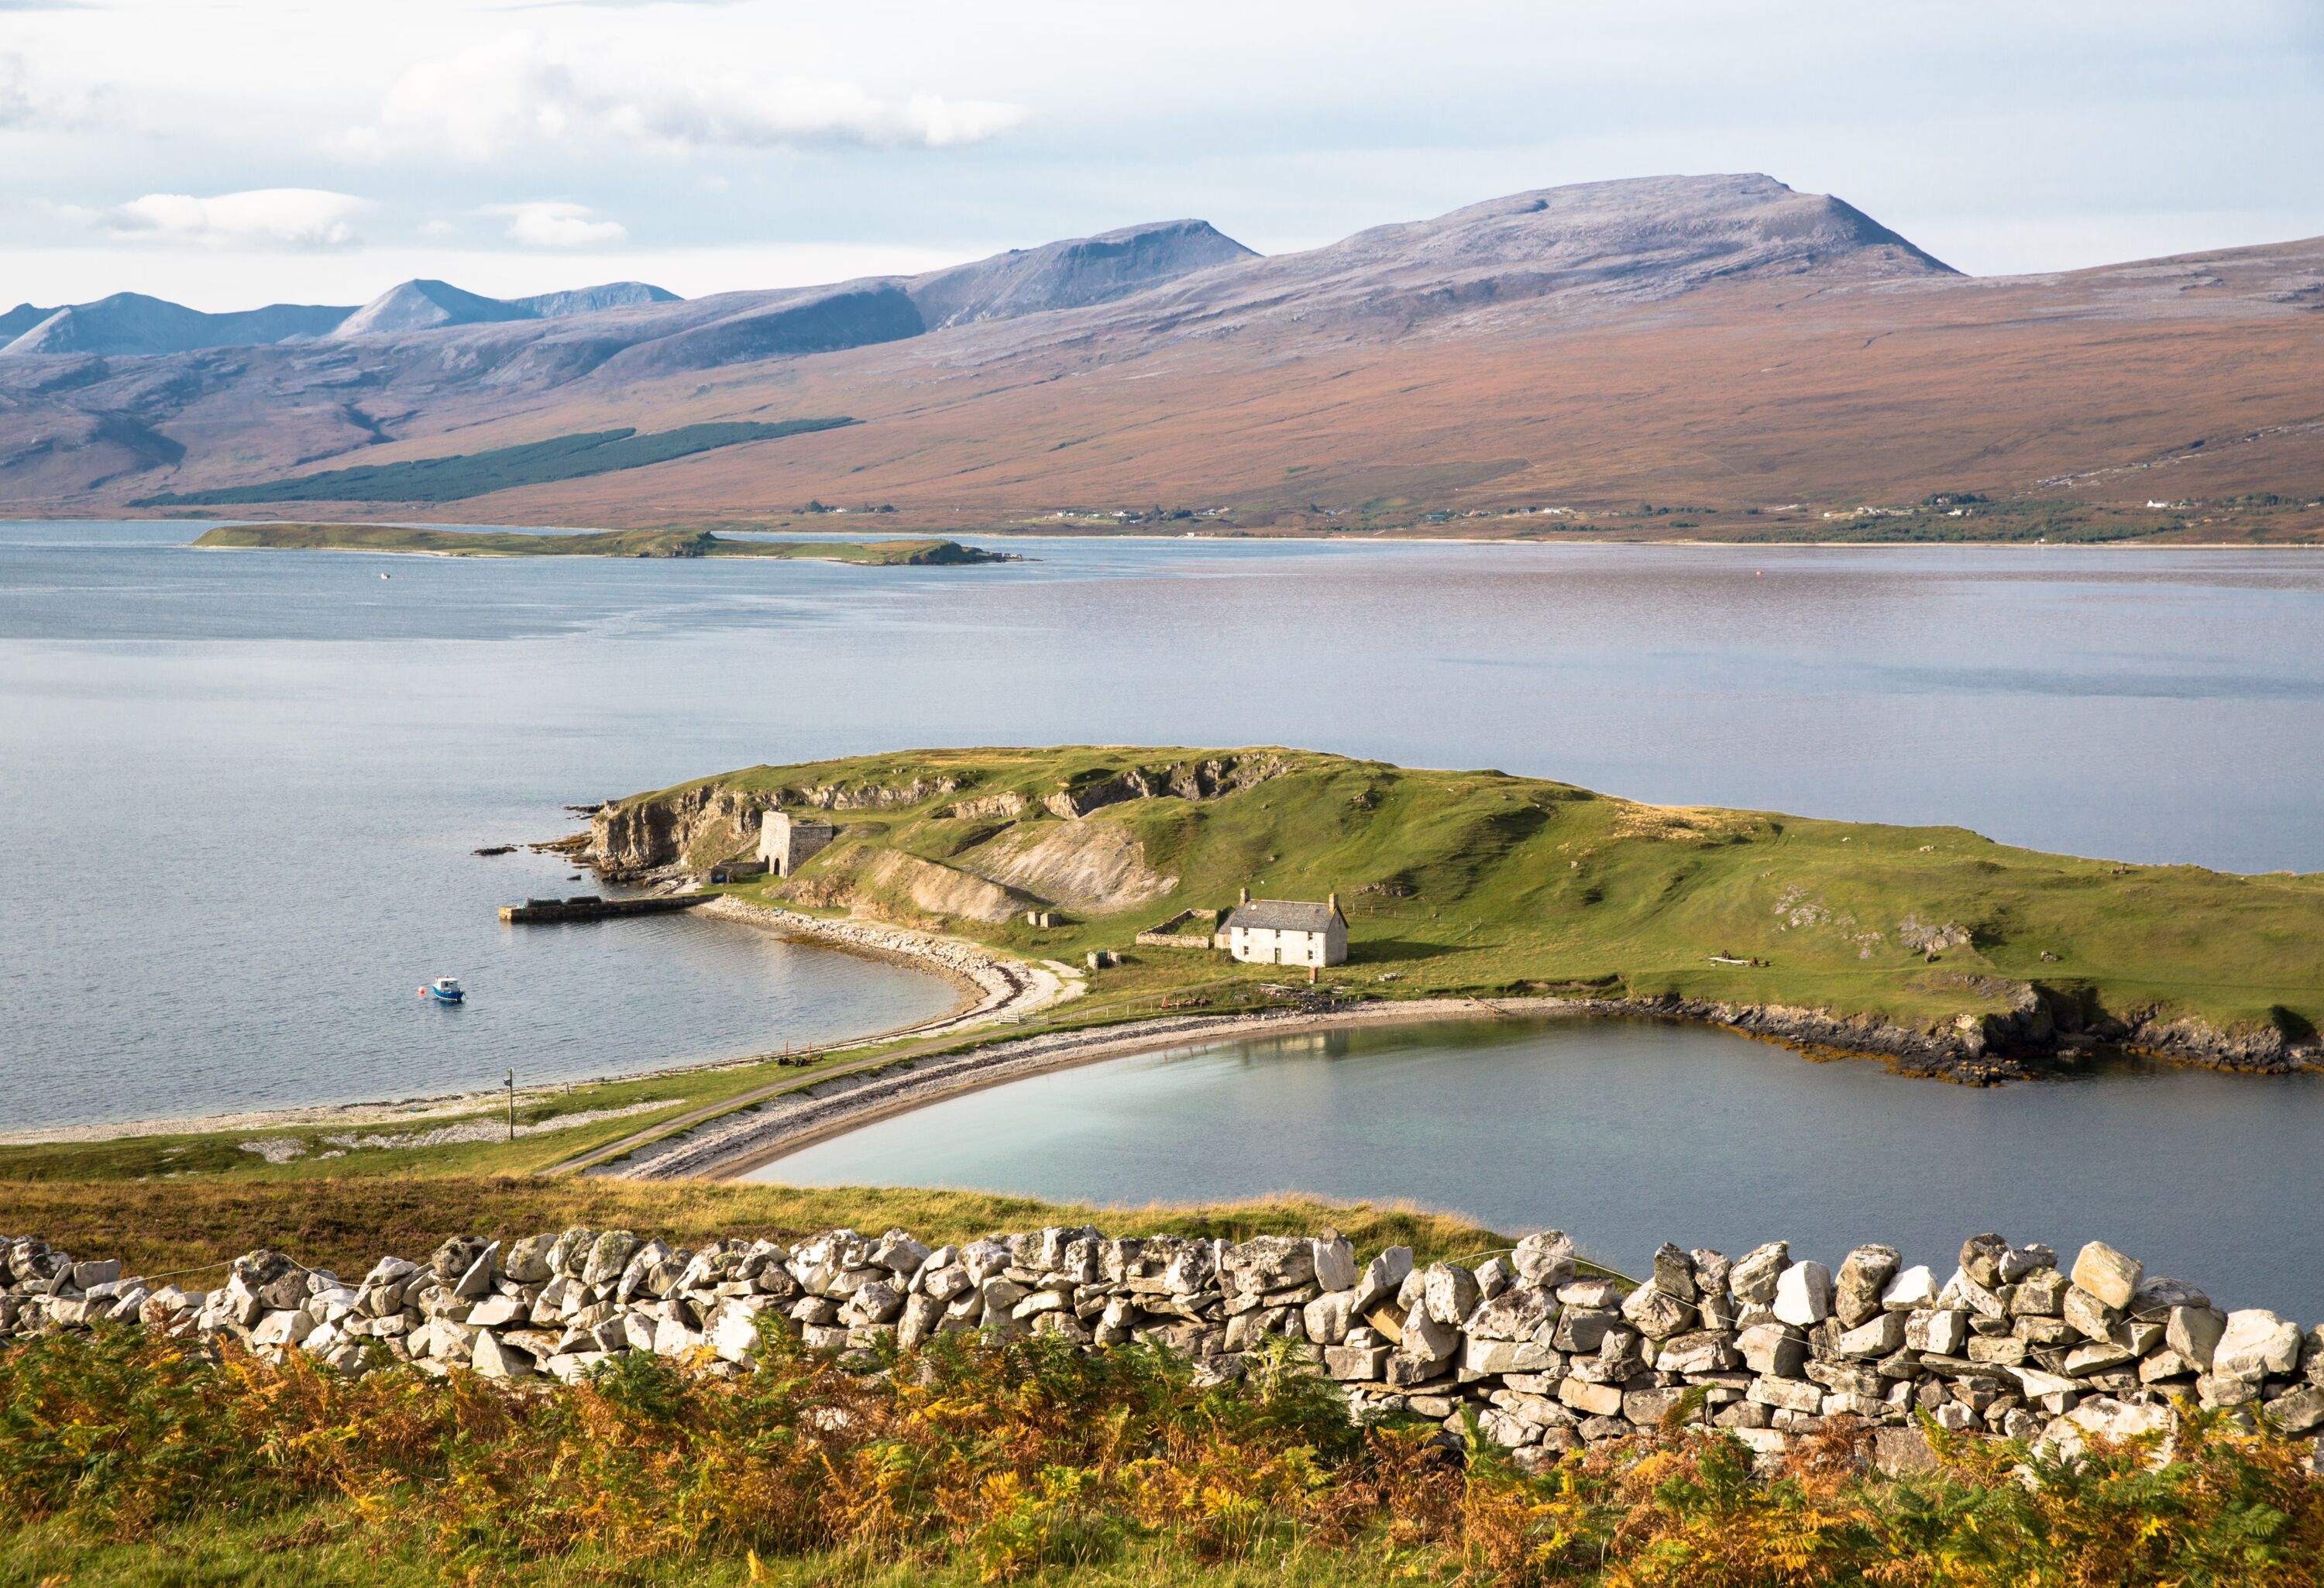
x=247, y=784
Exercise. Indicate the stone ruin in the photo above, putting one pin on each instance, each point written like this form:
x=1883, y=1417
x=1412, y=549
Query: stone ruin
x=1549, y=1357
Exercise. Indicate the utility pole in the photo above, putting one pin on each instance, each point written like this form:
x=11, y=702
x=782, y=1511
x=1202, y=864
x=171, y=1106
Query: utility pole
x=512, y=1100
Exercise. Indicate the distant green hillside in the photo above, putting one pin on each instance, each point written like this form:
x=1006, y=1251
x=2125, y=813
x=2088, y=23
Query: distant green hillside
x=650, y=543
x=1482, y=883
x=504, y=469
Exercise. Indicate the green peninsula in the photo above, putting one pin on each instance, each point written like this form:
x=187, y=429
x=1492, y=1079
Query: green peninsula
x=651, y=543
x=1935, y=947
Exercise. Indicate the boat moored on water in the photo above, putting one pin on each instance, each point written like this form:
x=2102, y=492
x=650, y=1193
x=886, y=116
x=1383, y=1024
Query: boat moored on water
x=444, y=990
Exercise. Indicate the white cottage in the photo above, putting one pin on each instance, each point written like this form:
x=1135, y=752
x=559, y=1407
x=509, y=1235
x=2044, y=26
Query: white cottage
x=1284, y=931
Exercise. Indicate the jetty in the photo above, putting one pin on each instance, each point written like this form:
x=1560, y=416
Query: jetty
x=589, y=907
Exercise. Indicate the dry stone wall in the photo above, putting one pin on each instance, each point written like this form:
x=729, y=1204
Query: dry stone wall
x=1546, y=1355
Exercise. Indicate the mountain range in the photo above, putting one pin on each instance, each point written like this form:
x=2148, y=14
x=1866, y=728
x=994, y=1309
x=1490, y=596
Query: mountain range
x=1723, y=345
x=133, y=324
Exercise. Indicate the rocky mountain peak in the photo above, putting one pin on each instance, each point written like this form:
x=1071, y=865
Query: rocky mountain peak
x=591, y=300
x=423, y=305
x=1074, y=273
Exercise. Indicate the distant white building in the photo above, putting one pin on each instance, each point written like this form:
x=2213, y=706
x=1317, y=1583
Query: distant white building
x=786, y=842
x=1284, y=931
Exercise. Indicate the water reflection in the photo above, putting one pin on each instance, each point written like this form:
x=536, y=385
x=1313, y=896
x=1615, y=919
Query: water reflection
x=1629, y=1133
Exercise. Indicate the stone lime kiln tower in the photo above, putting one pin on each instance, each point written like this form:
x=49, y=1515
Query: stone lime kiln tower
x=786, y=842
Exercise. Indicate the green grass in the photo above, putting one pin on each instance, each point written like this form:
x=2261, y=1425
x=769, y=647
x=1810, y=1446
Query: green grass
x=647, y=543
x=462, y=475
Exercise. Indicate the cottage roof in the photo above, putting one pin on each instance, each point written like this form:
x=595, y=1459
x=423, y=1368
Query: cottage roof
x=1282, y=915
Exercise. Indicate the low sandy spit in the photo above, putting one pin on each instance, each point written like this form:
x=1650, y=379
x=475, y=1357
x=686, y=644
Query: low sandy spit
x=740, y=1143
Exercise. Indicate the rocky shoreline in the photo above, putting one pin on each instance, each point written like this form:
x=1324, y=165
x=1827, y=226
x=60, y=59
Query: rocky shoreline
x=996, y=985
x=1547, y=1357
x=2039, y=1036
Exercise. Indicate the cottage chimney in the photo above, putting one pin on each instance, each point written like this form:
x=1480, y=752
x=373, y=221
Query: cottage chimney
x=1245, y=898
x=1335, y=902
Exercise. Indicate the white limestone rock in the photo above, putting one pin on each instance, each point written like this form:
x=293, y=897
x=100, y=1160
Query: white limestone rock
x=1911, y=1290
x=1544, y=1259
x=2256, y=1345
x=1803, y=1295
x=2108, y=1274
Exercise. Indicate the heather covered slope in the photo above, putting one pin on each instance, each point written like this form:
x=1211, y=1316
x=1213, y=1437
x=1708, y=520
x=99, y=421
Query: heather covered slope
x=1484, y=882
x=1751, y=361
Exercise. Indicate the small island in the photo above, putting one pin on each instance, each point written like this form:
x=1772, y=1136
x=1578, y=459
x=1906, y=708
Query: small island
x=648, y=543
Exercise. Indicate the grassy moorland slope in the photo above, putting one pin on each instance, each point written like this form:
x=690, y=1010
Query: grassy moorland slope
x=1477, y=882
x=648, y=543
x=344, y=1214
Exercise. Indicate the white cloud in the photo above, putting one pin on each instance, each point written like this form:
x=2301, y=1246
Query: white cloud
x=548, y=223
x=277, y=218
x=26, y=103
x=521, y=90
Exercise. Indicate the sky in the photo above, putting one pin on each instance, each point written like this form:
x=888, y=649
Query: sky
x=230, y=152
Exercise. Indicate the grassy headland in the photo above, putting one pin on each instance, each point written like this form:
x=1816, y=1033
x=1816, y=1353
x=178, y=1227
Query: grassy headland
x=648, y=543
x=1481, y=883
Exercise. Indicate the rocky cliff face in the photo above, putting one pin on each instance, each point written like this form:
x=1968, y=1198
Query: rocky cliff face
x=704, y=822
x=699, y=826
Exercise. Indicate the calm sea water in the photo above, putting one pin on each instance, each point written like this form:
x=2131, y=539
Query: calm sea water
x=242, y=788
x=1629, y=1133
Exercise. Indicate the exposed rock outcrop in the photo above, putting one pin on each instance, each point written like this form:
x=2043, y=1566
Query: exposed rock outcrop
x=1081, y=865
x=870, y=796
x=2188, y=1040
x=1190, y=779
x=704, y=823
x=941, y=891
x=2038, y=1033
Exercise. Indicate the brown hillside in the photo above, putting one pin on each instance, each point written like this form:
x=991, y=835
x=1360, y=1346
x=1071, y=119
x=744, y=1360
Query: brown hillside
x=1713, y=343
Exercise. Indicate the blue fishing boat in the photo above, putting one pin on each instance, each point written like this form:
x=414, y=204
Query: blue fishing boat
x=444, y=990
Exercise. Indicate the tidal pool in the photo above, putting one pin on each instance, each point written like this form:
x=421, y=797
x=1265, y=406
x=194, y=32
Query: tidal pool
x=1628, y=1133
